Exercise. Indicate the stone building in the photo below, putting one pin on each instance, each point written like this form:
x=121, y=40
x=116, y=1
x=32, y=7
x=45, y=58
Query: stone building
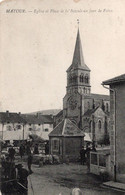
x=17, y=126
x=11, y=126
x=90, y=112
x=40, y=125
x=66, y=140
x=117, y=127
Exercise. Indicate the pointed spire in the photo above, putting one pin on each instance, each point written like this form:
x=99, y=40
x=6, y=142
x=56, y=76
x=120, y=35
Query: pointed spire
x=78, y=59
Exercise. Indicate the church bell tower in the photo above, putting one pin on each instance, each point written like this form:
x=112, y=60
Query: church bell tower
x=78, y=74
x=78, y=85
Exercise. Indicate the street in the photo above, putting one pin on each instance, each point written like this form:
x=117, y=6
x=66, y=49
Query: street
x=56, y=179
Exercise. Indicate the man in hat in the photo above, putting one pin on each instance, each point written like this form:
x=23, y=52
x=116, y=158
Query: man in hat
x=11, y=152
x=22, y=181
x=88, y=150
x=82, y=155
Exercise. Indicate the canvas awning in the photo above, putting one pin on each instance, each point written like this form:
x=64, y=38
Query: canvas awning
x=87, y=137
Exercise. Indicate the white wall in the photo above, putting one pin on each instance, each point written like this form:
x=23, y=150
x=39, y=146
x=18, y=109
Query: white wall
x=10, y=131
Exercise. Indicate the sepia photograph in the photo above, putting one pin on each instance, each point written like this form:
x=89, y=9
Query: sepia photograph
x=62, y=97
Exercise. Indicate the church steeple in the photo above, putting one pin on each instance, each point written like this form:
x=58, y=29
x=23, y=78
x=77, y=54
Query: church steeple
x=78, y=74
x=78, y=59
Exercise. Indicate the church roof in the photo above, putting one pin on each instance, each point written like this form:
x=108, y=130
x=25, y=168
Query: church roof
x=117, y=79
x=66, y=128
x=78, y=59
x=98, y=96
x=89, y=112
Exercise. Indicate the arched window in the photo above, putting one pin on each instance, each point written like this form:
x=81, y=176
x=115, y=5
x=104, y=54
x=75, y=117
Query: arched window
x=88, y=105
x=107, y=107
x=86, y=79
x=81, y=78
x=99, y=125
x=90, y=127
x=85, y=90
x=71, y=79
x=75, y=78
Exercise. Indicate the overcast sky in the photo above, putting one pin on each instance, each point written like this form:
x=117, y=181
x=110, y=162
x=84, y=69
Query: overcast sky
x=37, y=49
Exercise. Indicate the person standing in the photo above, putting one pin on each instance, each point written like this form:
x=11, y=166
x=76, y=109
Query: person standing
x=11, y=152
x=29, y=162
x=94, y=149
x=22, y=181
x=47, y=148
x=82, y=155
x=21, y=151
x=88, y=150
x=36, y=151
x=28, y=149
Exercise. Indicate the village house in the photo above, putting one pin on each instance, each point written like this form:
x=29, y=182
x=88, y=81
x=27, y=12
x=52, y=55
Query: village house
x=66, y=140
x=40, y=125
x=16, y=126
x=11, y=126
x=117, y=126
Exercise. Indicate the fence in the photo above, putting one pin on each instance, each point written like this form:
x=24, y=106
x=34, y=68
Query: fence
x=98, y=163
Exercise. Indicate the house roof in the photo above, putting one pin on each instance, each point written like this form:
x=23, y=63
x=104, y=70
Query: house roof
x=78, y=59
x=60, y=113
x=11, y=117
x=48, y=119
x=38, y=119
x=58, y=130
x=117, y=79
x=66, y=128
x=46, y=112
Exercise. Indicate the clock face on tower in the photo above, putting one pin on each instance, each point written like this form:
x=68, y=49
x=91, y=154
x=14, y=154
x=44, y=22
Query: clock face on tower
x=72, y=103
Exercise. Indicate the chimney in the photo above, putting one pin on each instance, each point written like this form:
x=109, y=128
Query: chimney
x=7, y=112
x=37, y=115
x=19, y=113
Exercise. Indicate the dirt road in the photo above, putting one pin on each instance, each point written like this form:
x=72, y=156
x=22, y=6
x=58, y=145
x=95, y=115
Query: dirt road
x=56, y=179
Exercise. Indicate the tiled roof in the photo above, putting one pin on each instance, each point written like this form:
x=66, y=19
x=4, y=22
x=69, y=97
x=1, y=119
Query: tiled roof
x=117, y=79
x=37, y=119
x=47, y=119
x=57, y=131
x=66, y=128
x=11, y=117
x=60, y=113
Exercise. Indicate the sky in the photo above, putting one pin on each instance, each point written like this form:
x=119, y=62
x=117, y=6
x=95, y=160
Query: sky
x=36, y=49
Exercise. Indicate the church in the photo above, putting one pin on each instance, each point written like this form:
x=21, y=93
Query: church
x=88, y=111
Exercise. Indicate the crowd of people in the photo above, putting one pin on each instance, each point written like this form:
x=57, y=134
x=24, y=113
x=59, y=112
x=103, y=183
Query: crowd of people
x=85, y=155
x=17, y=174
x=14, y=176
